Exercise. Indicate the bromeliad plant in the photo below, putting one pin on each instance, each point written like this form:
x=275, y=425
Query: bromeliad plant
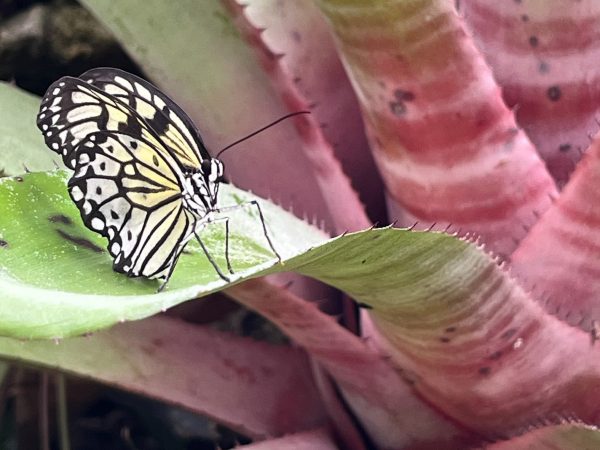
x=479, y=327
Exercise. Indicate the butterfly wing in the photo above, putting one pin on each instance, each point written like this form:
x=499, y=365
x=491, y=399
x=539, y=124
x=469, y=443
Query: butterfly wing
x=128, y=190
x=72, y=110
x=169, y=121
x=129, y=146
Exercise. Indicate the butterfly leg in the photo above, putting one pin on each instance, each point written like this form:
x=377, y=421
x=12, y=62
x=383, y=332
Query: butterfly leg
x=226, y=220
x=172, y=265
x=262, y=221
x=210, y=259
x=164, y=283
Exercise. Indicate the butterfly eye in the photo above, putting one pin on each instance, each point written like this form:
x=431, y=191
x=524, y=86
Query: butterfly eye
x=206, y=167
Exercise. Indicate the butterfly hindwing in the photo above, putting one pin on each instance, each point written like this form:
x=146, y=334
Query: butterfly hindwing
x=129, y=191
x=169, y=121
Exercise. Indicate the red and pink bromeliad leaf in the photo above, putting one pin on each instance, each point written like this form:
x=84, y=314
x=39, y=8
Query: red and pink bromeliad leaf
x=544, y=54
x=448, y=148
x=559, y=261
x=244, y=384
x=320, y=439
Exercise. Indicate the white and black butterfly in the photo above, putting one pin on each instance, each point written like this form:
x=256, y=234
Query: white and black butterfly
x=143, y=177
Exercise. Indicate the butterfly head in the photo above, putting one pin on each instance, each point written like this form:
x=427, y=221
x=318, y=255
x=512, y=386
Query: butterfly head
x=204, y=186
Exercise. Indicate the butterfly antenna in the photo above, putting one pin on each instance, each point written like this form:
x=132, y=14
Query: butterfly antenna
x=287, y=116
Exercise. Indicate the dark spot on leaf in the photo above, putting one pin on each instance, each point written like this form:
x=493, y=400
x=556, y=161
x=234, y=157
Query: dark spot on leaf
x=364, y=305
x=397, y=108
x=155, y=160
x=410, y=381
x=3, y=243
x=405, y=96
x=450, y=329
x=544, y=67
x=363, y=261
x=98, y=190
x=525, y=18
x=102, y=166
x=496, y=355
x=60, y=218
x=554, y=93
x=445, y=339
x=113, y=214
x=564, y=147
x=508, y=333
x=485, y=370
x=18, y=179
x=81, y=242
x=534, y=41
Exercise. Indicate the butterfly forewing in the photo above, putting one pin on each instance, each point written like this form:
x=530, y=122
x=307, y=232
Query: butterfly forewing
x=169, y=121
x=128, y=191
x=72, y=110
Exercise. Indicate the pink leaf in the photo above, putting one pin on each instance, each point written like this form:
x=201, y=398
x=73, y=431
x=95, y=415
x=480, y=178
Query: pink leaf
x=448, y=148
x=255, y=388
x=544, y=55
x=308, y=440
x=560, y=258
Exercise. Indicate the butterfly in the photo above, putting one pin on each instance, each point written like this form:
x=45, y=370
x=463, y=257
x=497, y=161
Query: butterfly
x=143, y=177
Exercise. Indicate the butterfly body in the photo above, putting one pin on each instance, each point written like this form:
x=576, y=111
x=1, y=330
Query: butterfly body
x=201, y=187
x=142, y=176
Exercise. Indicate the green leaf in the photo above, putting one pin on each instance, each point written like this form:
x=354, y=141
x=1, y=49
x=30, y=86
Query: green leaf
x=58, y=281
x=21, y=144
x=57, y=277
